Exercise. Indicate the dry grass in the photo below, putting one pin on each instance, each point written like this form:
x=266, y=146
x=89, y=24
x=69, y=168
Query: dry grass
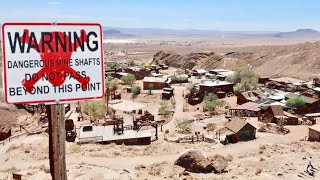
x=12, y=169
x=73, y=148
x=315, y=146
x=229, y=157
x=262, y=148
x=156, y=168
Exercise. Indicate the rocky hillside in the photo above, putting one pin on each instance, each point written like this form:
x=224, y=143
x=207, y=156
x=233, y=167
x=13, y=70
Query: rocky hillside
x=188, y=61
x=300, y=60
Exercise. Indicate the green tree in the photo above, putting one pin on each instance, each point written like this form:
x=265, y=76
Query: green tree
x=111, y=86
x=95, y=109
x=296, y=102
x=245, y=80
x=211, y=102
x=136, y=89
x=128, y=79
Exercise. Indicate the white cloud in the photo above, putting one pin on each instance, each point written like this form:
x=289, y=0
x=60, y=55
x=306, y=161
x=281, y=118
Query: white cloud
x=54, y=3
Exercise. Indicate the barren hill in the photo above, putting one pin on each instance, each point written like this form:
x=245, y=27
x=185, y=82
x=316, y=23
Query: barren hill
x=300, y=60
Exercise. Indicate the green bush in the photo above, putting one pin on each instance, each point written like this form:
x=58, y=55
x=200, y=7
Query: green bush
x=211, y=127
x=95, y=109
x=131, y=63
x=136, y=89
x=211, y=102
x=296, y=102
x=128, y=79
x=245, y=80
x=164, y=109
x=179, y=78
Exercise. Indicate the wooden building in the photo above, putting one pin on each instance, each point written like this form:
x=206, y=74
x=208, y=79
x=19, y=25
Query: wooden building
x=246, y=97
x=291, y=119
x=199, y=72
x=247, y=109
x=216, y=86
x=5, y=132
x=312, y=104
x=138, y=72
x=154, y=83
x=314, y=133
x=239, y=130
x=273, y=113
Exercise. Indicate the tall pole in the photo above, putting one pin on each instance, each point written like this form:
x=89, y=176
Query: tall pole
x=57, y=144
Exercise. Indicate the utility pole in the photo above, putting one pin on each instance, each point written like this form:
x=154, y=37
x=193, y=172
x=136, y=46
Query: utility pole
x=57, y=141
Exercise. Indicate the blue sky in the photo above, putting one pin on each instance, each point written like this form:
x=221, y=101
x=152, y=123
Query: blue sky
x=240, y=15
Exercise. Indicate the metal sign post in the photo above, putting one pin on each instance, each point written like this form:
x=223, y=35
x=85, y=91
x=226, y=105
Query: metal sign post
x=53, y=63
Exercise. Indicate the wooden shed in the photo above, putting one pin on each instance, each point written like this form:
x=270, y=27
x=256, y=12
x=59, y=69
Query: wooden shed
x=216, y=86
x=274, y=113
x=241, y=131
x=247, y=109
x=246, y=97
x=154, y=83
x=5, y=132
x=291, y=119
x=314, y=133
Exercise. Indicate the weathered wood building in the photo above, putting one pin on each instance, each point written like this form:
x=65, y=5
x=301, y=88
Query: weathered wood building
x=216, y=86
x=154, y=83
x=239, y=130
x=314, y=133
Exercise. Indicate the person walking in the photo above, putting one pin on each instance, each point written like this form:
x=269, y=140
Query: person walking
x=309, y=164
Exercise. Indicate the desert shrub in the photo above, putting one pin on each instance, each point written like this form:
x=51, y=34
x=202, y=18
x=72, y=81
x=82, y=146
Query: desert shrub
x=164, y=109
x=281, y=122
x=179, y=79
x=212, y=77
x=263, y=147
x=95, y=109
x=131, y=63
x=128, y=79
x=258, y=171
x=296, y=102
x=183, y=125
x=245, y=80
x=136, y=89
x=291, y=111
x=211, y=127
x=112, y=65
x=211, y=102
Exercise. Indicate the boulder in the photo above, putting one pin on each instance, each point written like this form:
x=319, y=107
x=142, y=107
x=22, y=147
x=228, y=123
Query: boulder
x=218, y=162
x=194, y=161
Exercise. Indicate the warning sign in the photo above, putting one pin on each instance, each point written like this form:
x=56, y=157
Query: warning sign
x=46, y=63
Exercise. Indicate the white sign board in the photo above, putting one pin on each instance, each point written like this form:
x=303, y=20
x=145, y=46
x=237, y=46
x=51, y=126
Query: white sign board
x=49, y=63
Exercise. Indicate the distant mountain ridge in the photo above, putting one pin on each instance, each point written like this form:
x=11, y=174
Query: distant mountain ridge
x=299, y=33
x=110, y=33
